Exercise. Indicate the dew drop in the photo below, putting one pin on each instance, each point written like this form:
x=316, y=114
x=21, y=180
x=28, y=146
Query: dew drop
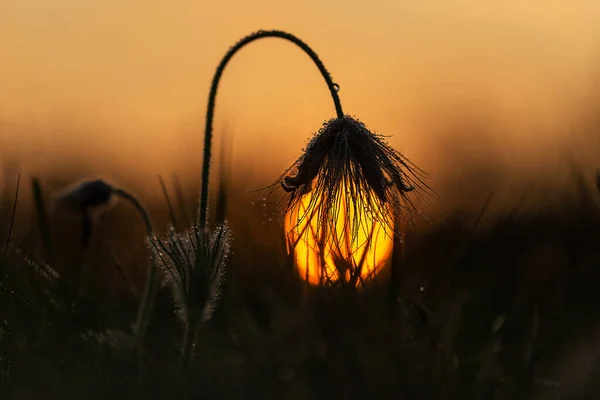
x=336, y=87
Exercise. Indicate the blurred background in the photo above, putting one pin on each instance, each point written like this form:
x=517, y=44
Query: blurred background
x=472, y=92
x=498, y=101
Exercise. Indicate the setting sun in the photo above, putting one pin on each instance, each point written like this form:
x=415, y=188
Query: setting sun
x=360, y=255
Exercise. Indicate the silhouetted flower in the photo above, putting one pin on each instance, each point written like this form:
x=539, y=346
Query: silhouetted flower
x=95, y=195
x=343, y=162
x=87, y=197
x=92, y=197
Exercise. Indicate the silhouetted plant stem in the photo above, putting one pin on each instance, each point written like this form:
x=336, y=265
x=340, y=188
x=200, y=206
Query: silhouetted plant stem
x=42, y=219
x=189, y=337
x=14, y=212
x=144, y=310
x=180, y=197
x=145, y=307
x=333, y=88
x=163, y=186
x=138, y=207
x=396, y=261
x=222, y=191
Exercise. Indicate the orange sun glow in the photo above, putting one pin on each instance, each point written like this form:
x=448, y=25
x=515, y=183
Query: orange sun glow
x=337, y=253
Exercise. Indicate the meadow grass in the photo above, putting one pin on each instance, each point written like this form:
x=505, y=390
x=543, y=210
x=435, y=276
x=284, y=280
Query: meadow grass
x=508, y=310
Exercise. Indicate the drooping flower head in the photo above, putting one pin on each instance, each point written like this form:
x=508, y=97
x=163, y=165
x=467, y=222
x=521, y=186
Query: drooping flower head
x=344, y=156
x=348, y=188
x=86, y=195
x=92, y=197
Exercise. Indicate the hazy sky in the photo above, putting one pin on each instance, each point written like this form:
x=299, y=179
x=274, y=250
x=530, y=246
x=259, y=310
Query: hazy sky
x=127, y=81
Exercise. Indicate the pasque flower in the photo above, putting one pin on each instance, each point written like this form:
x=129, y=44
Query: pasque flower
x=345, y=158
x=344, y=193
x=96, y=194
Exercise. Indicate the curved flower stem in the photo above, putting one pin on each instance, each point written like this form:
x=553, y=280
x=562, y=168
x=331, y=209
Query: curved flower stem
x=333, y=88
x=146, y=303
x=145, y=307
x=138, y=207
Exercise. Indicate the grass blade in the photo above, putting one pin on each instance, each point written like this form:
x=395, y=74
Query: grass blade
x=14, y=211
x=42, y=219
x=168, y=199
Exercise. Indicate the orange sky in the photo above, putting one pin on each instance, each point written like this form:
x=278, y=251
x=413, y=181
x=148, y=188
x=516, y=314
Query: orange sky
x=127, y=81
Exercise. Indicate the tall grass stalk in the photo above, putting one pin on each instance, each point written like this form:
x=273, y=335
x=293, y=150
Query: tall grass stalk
x=165, y=192
x=42, y=219
x=181, y=198
x=12, y=218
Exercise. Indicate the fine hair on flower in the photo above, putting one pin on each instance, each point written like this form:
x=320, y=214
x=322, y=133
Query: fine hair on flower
x=344, y=161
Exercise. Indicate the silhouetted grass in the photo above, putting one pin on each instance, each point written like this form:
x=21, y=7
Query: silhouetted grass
x=508, y=309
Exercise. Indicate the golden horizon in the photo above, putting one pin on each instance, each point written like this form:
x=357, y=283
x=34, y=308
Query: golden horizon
x=119, y=88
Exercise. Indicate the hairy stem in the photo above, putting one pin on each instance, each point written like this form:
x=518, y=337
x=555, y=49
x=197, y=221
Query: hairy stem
x=189, y=344
x=333, y=88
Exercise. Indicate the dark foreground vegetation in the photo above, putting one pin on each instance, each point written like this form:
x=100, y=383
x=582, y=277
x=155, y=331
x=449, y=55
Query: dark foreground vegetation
x=483, y=308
